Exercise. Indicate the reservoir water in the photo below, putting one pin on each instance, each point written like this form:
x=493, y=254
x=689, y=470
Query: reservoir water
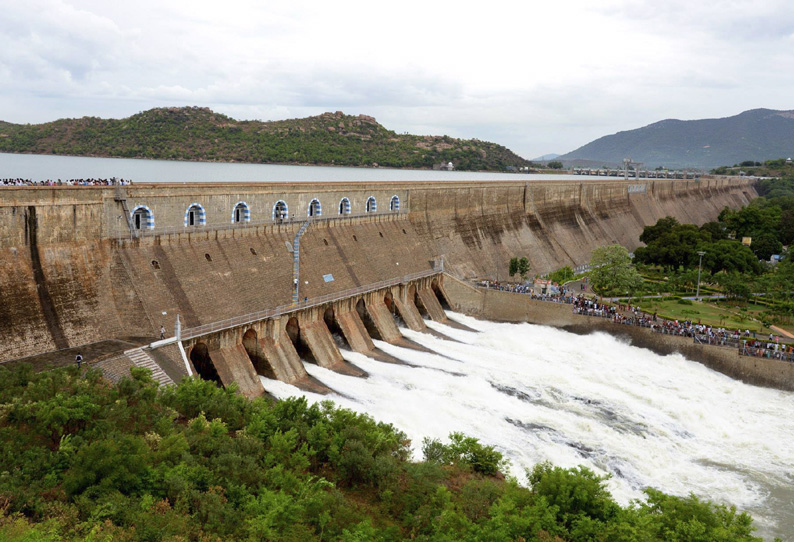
x=538, y=393
x=45, y=167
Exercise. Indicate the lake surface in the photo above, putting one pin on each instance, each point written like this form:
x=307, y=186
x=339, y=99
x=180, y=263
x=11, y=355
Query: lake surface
x=40, y=167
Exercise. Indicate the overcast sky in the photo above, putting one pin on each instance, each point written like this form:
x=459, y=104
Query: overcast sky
x=538, y=77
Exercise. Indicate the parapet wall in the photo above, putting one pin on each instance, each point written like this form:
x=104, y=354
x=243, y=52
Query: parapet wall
x=70, y=274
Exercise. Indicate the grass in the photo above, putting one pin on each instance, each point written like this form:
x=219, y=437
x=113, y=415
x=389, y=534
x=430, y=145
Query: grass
x=706, y=313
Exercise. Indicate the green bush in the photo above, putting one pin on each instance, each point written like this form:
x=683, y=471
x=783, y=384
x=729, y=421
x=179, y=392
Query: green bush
x=466, y=451
x=83, y=460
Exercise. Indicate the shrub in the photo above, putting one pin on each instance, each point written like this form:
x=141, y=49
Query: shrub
x=465, y=451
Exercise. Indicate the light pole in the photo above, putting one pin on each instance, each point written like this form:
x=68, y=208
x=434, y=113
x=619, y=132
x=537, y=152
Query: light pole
x=700, y=265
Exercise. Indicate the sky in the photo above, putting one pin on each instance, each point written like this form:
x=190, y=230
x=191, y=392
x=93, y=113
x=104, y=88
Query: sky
x=537, y=77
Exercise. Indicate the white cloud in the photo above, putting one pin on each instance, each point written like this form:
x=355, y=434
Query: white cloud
x=537, y=78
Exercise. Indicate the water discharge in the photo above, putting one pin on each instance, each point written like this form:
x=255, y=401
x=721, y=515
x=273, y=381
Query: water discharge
x=537, y=393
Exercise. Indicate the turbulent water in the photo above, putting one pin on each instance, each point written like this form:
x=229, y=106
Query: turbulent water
x=538, y=393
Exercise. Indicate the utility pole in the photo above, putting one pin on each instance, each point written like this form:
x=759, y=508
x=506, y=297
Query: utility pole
x=700, y=265
x=296, y=245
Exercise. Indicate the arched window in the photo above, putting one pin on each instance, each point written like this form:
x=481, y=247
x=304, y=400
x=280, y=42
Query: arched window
x=280, y=211
x=394, y=204
x=315, y=209
x=241, y=213
x=344, y=206
x=142, y=218
x=372, y=205
x=195, y=215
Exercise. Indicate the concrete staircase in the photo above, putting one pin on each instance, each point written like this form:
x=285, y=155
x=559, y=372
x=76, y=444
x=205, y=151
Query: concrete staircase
x=140, y=358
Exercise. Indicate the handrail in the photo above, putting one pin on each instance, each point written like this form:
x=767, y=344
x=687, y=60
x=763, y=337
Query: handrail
x=257, y=223
x=229, y=323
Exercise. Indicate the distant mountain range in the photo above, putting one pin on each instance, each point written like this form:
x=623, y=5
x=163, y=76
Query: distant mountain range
x=546, y=157
x=193, y=133
x=758, y=135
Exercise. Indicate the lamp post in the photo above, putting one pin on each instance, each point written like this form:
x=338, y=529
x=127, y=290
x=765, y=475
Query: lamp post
x=700, y=265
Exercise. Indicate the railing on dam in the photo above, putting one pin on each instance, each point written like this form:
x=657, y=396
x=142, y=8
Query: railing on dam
x=230, y=323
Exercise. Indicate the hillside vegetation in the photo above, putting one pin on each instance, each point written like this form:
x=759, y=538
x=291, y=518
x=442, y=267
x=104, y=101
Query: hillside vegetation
x=191, y=133
x=83, y=460
x=758, y=135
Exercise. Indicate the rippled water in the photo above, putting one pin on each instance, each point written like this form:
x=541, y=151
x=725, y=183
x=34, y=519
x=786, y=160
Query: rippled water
x=538, y=393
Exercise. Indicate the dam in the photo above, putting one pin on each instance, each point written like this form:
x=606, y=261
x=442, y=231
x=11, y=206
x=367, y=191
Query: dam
x=262, y=275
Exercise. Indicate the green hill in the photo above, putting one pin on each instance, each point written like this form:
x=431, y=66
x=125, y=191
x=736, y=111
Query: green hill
x=759, y=135
x=192, y=133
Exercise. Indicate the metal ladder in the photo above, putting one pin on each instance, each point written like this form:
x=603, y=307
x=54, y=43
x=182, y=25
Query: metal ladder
x=296, y=244
x=121, y=197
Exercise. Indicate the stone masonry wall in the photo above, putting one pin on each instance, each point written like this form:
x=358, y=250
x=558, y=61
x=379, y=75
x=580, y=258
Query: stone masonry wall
x=70, y=274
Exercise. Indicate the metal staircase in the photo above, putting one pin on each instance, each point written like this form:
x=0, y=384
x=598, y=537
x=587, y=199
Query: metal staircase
x=121, y=197
x=140, y=358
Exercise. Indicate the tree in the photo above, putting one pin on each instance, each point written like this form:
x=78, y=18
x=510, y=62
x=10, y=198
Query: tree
x=673, y=248
x=662, y=226
x=727, y=255
x=562, y=275
x=523, y=267
x=612, y=270
x=555, y=164
x=513, y=267
x=765, y=245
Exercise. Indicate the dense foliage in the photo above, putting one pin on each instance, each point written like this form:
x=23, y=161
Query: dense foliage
x=613, y=271
x=83, y=460
x=519, y=266
x=562, y=275
x=774, y=168
x=191, y=133
x=768, y=221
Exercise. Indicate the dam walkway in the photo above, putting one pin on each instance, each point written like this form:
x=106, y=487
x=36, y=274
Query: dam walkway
x=198, y=331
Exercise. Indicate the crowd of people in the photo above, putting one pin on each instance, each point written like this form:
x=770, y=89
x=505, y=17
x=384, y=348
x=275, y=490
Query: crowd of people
x=745, y=341
x=113, y=181
x=767, y=349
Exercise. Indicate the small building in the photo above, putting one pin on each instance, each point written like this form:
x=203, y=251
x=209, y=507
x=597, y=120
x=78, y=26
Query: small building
x=747, y=241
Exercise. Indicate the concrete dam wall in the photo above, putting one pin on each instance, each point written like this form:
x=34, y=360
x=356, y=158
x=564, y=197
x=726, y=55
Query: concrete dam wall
x=85, y=264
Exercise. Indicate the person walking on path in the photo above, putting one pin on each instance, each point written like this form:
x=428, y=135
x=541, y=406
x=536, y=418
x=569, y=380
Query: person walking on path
x=162, y=332
x=78, y=359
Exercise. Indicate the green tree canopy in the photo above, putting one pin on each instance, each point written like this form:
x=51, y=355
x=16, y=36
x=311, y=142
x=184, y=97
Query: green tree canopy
x=673, y=247
x=663, y=226
x=613, y=270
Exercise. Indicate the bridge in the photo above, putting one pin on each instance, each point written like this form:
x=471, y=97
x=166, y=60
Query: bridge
x=638, y=173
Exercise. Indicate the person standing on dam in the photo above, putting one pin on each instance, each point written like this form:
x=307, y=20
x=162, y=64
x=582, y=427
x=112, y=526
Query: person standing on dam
x=78, y=359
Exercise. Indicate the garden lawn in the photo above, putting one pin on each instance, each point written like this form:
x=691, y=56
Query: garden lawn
x=703, y=312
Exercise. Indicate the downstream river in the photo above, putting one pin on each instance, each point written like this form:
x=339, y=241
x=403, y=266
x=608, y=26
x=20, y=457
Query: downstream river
x=538, y=393
x=45, y=167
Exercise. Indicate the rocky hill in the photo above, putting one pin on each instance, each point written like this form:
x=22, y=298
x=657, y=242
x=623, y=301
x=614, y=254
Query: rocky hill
x=192, y=133
x=758, y=135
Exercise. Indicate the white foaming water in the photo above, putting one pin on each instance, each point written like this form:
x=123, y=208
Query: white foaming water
x=537, y=393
